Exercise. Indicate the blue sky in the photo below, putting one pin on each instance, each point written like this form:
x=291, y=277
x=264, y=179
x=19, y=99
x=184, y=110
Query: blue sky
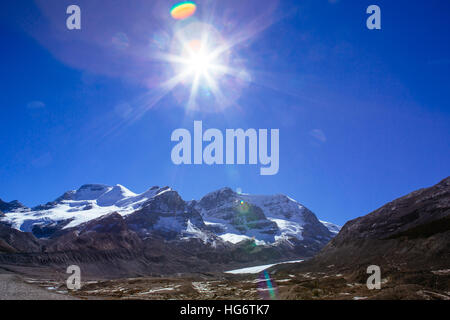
x=363, y=115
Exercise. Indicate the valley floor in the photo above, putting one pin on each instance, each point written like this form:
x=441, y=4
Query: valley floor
x=305, y=286
x=14, y=287
x=263, y=285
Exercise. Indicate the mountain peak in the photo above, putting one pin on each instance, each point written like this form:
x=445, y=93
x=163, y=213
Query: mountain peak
x=90, y=191
x=224, y=212
x=11, y=206
x=445, y=182
x=93, y=186
x=125, y=189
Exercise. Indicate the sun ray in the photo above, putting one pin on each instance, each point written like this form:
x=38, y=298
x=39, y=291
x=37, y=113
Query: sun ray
x=216, y=90
x=200, y=57
x=193, y=93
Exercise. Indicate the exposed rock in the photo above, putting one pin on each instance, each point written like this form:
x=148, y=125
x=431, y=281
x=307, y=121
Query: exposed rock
x=410, y=233
x=11, y=206
x=166, y=214
x=272, y=218
x=157, y=232
x=12, y=240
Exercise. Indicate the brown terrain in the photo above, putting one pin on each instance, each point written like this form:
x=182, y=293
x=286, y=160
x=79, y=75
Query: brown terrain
x=300, y=286
x=408, y=238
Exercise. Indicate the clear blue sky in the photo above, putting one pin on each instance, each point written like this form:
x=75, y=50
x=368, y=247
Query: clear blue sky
x=363, y=115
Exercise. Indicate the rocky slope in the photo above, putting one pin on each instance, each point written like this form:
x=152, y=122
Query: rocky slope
x=14, y=241
x=115, y=232
x=10, y=206
x=233, y=217
x=267, y=219
x=408, y=236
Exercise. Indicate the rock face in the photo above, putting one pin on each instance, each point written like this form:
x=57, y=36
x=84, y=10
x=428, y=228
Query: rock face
x=107, y=248
x=166, y=214
x=224, y=214
x=112, y=231
x=109, y=232
x=10, y=206
x=410, y=233
x=270, y=219
x=419, y=214
x=14, y=241
x=227, y=213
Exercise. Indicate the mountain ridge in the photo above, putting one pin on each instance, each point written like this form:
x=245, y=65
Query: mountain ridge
x=92, y=201
x=112, y=231
x=410, y=233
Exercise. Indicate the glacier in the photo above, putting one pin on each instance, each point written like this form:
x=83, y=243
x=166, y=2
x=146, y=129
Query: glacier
x=233, y=217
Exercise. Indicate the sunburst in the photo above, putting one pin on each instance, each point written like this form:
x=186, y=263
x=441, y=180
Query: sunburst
x=200, y=58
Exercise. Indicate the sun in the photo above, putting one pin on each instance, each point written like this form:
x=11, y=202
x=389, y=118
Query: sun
x=198, y=60
x=200, y=65
x=203, y=74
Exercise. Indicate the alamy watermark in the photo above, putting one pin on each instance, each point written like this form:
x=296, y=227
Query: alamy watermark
x=235, y=140
x=73, y=22
x=374, y=20
x=374, y=281
x=74, y=280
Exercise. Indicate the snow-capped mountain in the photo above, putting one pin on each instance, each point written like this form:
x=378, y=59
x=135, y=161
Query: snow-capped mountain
x=223, y=215
x=75, y=207
x=333, y=228
x=267, y=219
x=10, y=206
x=111, y=231
x=406, y=236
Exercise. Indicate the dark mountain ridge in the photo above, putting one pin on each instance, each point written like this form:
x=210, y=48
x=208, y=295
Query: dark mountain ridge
x=159, y=234
x=408, y=238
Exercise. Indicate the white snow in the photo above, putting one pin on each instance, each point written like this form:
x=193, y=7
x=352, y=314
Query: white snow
x=159, y=290
x=201, y=287
x=288, y=228
x=258, y=269
x=284, y=280
x=285, y=212
x=236, y=238
x=82, y=205
x=333, y=228
x=114, y=195
x=93, y=201
x=208, y=223
x=193, y=232
x=231, y=233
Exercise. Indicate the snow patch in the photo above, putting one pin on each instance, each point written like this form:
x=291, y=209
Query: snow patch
x=333, y=228
x=258, y=269
x=82, y=205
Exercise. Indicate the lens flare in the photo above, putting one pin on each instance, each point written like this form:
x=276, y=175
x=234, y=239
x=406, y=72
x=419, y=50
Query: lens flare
x=183, y=10
x=266, y=287
x=243, y=209
x=206, y=75
x=199, y=57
